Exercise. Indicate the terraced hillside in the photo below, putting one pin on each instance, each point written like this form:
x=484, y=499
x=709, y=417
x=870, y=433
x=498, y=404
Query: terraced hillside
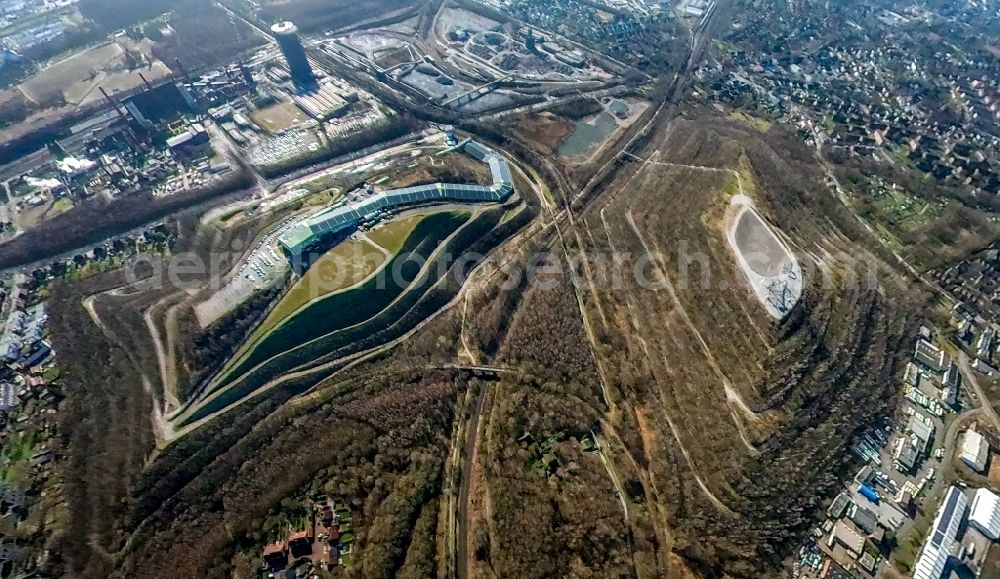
x=631, y=410
x=717, y=390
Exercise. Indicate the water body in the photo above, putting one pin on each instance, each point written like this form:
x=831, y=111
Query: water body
x=588, y=133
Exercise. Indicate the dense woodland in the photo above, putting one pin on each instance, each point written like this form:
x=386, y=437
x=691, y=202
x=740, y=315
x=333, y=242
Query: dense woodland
x=204, y=36
x=802, y=378
x=104, y=424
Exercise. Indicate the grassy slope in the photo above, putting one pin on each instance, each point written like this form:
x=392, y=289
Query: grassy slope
x=338, y=269
x=343, y=309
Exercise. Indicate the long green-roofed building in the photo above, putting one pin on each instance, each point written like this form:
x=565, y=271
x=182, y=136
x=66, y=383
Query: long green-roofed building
x=339, y=220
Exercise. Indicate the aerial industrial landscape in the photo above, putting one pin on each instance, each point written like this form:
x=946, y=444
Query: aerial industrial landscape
x=301, y=289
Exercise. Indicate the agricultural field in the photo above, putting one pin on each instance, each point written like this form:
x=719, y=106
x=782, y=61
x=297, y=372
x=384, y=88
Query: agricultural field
x=76, y=79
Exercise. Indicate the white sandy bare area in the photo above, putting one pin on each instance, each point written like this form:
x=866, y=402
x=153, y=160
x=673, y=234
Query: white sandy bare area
x=766, y=260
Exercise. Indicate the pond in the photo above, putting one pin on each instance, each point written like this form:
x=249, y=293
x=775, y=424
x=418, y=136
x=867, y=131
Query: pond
x=587, y=133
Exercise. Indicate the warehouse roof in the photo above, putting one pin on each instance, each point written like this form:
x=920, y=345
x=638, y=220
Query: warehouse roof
x=934, y=557
x=923, y=430
x=975, y=450
x=986, y=513
x=929, y=356
x=848, y=537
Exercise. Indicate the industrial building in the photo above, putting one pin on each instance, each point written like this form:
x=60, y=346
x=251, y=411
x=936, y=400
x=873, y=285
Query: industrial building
x=287, y=36
x=950, y=383
x=930, y=357
x=985, y=514
x=75, y=166
x=195, y=137
x=848, y=537
x=923, y=433
x=838, y=506
x=975, y=450
x=160, y=105
x=338, y=220
x=323, y=102
x=942, y=538
x=864, y=518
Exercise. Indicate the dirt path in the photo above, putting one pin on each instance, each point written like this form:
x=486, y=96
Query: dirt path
x=161, y=427
x=469, y=454
x=167, y=376
x=385, y=252
x=672, y=292
x=734, y=401
x=970, y=376
x=466, y=352
x=172, y=331
x=613, y=473
x=647, y=434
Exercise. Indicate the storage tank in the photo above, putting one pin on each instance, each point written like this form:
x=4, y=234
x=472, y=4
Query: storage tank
x=869, y=493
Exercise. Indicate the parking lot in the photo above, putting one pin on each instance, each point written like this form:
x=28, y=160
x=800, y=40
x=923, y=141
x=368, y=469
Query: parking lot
x=262, y=267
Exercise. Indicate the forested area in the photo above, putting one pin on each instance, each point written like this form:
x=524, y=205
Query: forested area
x=566, y=522
x=105, y=428
x=547, y=338
x=812, y=382
x=376, y=441
x=204, y=36
x=606, y=430
x=554, y=510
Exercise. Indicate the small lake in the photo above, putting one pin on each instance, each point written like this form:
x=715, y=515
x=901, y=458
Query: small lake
x=588, y=133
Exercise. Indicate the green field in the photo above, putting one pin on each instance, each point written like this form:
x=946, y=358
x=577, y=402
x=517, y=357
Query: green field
x=392, y=235
x=362, y=318
x=14, y=456
x=327, y=275
x=342, y=267
x=278, y=118
x=342, y=309
x=902, y=212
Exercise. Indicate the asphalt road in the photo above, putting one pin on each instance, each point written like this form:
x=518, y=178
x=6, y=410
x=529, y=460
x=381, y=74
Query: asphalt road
x=970, y=379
